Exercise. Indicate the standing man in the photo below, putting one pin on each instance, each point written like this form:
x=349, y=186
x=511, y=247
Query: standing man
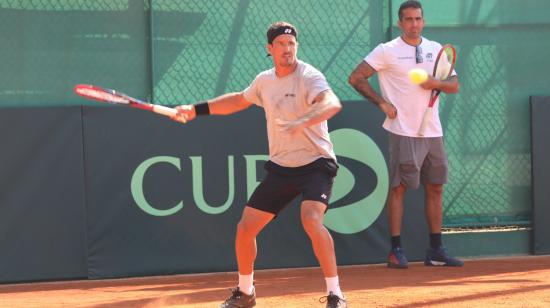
x=413, y=159
x=297, y=101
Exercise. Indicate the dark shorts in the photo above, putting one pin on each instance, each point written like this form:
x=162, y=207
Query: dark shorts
x=414, y=160
x=282, y=184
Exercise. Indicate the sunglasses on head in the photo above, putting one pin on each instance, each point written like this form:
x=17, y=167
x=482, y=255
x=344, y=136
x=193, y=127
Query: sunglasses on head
x=418, y=53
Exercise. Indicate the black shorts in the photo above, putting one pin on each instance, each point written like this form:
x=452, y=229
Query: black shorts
x=282, y=184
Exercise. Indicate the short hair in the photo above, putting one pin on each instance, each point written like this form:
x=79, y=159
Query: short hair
x=279, y=28
x=409, y=4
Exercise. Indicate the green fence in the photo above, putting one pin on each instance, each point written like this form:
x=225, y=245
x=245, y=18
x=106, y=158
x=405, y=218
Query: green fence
x=201, y=48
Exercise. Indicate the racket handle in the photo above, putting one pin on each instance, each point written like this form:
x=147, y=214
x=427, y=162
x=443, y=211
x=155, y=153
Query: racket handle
x=167, y=111
x=425, y=120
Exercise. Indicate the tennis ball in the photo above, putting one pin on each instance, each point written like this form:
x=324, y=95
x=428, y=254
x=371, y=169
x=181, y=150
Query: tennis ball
x=418, y=75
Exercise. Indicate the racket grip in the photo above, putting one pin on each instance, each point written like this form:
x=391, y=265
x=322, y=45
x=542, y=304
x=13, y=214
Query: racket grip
x=425, y=120
x=167, y=111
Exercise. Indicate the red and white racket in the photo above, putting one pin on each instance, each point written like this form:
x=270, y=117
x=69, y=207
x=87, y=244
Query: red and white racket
x=444, y=66
x=118, y=98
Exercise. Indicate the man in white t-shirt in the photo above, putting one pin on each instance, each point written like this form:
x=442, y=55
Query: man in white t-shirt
x=297, y=101
x=413, y=159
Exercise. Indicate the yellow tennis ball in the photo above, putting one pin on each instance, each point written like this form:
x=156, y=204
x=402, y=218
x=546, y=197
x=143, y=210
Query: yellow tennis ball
x=418, y=75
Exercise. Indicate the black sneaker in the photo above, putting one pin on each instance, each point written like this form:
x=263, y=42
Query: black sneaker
x=440, y=257
x=333, y=301
x=239, y=299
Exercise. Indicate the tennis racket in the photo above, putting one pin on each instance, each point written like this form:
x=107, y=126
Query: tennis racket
x=115, y=97
x=443, y=68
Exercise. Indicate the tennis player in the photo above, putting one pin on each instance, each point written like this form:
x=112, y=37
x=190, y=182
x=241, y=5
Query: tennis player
x=413, y=159
x=297, y=101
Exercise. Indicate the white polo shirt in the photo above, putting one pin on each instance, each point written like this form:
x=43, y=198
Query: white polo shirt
x=392, y=61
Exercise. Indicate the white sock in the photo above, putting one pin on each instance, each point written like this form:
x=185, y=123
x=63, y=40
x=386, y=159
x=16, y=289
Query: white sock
x=246, y=283
x=334, y=286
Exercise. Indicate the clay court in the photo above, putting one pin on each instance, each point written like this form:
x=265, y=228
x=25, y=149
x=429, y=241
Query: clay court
x=500, y=282
x=91, y=191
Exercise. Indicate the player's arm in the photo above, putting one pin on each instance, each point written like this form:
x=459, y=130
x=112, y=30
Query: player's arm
x=222, y=105
x=359, y=80
x=324, y=106
x=449, y=85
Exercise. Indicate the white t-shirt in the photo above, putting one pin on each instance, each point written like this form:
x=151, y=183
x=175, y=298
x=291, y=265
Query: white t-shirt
x=393, y=60
x=289, y=98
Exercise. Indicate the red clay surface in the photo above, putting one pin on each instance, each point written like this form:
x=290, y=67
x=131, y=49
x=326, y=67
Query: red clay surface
x=506, y=282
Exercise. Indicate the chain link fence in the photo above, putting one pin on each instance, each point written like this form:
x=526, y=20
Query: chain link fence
x=487, y=178
x=48, y=46
x=228, y=49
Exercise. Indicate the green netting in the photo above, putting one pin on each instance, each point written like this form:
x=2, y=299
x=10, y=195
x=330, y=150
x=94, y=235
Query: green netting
x=181, y=51
x=61, y=5
x=227, y=50
x=48, y=46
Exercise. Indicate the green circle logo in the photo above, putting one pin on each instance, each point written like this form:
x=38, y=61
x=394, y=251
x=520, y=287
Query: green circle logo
x=357, y=216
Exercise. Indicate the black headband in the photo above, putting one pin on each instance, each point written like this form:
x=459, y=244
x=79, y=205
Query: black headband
x=273, y=33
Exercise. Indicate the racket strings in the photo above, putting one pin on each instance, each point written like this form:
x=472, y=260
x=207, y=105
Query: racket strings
x=445, y=64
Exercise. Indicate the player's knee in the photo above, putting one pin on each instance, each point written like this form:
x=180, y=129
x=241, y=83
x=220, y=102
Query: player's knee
x=402, y=188
x=246, y=229
x=398, y=191
x=435, y=189
x=312, y=222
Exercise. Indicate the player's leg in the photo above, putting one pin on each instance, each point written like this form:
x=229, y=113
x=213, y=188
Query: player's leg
x=434, y=176
x=433, y=206
x=404, y=170
x=250, y=225
x=395, y=208
x=312, y=213
x=396, y=256
x=316, y=188
x=397, y=187
x=269, y=198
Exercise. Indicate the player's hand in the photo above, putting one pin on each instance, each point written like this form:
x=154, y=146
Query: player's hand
x=185, y=113
x=431, y=83
x=389, y=110
x=291, y=127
